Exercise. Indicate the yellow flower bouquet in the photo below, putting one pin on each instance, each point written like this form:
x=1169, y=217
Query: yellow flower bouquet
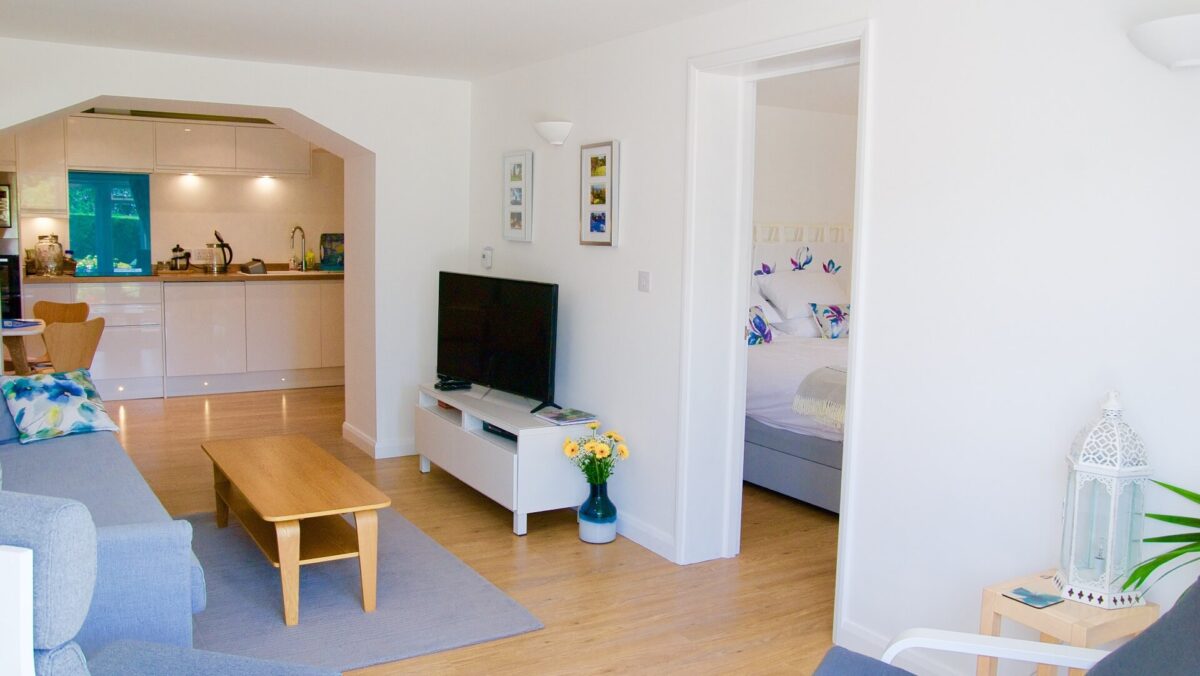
x=596, y=454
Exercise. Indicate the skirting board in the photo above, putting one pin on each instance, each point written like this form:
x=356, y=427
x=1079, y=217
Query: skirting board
x=854, y=636
x=376, y=450
x=651, y=538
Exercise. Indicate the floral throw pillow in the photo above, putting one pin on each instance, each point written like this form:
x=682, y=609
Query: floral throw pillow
x=758, y=331
x=49, y=405
x=833, y=319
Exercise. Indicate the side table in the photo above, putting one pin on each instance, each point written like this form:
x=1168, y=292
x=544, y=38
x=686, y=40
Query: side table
x=1068, y=622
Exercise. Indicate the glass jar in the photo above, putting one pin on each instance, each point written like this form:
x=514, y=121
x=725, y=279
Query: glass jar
x=49, y=255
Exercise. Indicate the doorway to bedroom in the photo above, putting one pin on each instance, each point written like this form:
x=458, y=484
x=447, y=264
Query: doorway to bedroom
x=718, y=247
x=801, y=261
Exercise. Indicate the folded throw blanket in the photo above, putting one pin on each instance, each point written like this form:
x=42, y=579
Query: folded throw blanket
x=822, y=395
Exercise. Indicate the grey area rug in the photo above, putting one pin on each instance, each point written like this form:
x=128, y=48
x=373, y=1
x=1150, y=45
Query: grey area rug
x=428, y=601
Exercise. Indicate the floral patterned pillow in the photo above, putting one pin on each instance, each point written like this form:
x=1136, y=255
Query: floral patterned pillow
x=833, y=319
x=758, y=331
x=51, y=405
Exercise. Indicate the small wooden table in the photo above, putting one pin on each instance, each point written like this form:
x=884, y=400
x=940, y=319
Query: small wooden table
x=1069, y=622
x=14, y=340
x=289, y=494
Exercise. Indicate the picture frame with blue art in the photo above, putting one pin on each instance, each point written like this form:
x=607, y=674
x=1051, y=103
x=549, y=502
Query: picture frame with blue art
x=599, y=183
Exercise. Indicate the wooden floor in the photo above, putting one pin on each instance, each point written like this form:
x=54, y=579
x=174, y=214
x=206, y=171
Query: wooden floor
x=610, y=608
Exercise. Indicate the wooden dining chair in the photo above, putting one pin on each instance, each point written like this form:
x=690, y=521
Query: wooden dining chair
x=52, y=313
x=72, y=345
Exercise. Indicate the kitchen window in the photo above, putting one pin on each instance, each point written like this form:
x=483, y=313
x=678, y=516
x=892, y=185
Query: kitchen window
x=110, y=224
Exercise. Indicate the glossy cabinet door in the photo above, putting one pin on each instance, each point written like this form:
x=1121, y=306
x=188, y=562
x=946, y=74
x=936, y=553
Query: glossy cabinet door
x=283, y=327
x=42, y=169
x=8, y=151
x=194, y=146
x=110, y=145
x=206, y=328
x=333, y=324
x=272, y=151
x=129, y=352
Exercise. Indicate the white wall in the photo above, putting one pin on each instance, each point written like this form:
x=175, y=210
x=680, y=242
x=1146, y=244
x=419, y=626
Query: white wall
x=1022, y=150
x=255, y=215
x=405, y=143
x=804, y=167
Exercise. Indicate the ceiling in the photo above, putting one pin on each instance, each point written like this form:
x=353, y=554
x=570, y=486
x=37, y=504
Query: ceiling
x=463, y=39
x=832, y=90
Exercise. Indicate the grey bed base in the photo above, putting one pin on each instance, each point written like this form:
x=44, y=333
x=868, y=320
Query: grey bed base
x=803, y=467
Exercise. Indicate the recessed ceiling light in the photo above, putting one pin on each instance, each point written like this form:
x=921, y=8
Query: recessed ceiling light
x=187, y=128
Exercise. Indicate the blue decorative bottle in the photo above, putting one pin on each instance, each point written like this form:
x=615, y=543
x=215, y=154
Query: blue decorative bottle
x=598, y=516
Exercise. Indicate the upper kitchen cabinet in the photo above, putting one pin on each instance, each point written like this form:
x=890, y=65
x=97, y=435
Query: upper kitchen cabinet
x=8, y=151
x=103, y=144
x=272, y=151
x=195, y=147
x=42, y=169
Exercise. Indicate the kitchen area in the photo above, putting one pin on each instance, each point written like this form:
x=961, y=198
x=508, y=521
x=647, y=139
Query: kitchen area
x=212, y=247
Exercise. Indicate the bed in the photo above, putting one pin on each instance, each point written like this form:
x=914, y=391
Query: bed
x=793, y=443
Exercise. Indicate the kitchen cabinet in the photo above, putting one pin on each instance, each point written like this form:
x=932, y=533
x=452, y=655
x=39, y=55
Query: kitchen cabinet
x=333, y=324
x=284, y=330
x=205, y=328
x=8, y=151
x=104, y=144
x=194, y=146
x=42, y=169
x=272, y=151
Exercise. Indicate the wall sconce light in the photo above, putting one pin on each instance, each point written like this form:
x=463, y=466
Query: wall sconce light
x=555, y=132
x=1174, y=41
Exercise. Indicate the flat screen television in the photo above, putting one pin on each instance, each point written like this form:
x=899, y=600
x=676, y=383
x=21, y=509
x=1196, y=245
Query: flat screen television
x=499, y=333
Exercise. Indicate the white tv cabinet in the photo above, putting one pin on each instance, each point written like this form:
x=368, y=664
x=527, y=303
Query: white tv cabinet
x=528, y=475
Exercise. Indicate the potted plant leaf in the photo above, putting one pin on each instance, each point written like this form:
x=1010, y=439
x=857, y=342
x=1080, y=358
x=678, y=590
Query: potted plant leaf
x=1189, y=542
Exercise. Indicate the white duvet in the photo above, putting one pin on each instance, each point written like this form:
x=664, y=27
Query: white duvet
x=774, y=371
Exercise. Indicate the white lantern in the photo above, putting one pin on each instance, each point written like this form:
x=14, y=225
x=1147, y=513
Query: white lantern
x=1102, y=530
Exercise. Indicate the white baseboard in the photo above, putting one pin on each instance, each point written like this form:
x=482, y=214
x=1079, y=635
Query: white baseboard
x=395, y=449
x=360, y=440
x=376, y=449
x=656, y=540
x=860, y=639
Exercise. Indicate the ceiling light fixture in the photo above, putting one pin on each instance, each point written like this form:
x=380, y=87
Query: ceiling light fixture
x=1174, y=41
x=554, y=131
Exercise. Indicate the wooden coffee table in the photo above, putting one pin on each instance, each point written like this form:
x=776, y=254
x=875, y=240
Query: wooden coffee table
x=289, y=494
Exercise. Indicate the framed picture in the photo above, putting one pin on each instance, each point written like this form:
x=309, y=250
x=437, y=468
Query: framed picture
x=517, y=219
x=599, y=173
x=5, y=206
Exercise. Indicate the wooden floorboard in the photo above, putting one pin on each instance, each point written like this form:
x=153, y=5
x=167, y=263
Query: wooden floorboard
x=607, y=609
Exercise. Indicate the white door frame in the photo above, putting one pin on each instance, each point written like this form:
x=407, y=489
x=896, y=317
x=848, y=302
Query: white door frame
x=718, y=223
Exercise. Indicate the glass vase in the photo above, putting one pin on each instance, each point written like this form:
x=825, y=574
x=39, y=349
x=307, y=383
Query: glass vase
x=598, y=516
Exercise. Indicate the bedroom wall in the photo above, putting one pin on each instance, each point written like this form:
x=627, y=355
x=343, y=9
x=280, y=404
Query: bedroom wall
x=1027, y=166
x=405, y=144
x=804, y=166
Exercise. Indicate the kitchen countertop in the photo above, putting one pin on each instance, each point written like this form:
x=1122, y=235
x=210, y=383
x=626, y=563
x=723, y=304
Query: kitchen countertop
x=173, y=277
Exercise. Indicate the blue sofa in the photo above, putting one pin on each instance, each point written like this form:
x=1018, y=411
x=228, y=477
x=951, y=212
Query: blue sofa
x=61, y=540
x=148, y=581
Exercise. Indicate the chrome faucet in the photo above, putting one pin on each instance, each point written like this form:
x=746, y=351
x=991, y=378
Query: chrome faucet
x=303, y=248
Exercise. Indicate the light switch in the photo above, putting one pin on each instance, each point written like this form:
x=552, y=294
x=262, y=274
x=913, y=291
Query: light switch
x=485, y=259
x=644, y=281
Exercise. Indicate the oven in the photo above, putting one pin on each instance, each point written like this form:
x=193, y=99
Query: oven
x=10, y=285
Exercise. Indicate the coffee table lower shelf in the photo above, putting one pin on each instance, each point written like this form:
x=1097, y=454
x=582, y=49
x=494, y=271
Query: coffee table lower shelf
x=322, y=538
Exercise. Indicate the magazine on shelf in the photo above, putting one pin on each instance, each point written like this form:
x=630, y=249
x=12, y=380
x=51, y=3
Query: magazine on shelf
x=565, y=416
x=19, y=324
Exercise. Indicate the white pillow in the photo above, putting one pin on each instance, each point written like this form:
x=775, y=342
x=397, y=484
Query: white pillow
x=803, y=326
x=794, y=291
x=769, y=312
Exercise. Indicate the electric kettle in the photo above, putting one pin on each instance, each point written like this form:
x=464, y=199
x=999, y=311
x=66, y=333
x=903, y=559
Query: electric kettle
x=219, y=264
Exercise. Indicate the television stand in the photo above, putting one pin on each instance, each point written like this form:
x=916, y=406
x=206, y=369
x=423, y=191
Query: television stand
x=542, y=405
x=525, y=475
